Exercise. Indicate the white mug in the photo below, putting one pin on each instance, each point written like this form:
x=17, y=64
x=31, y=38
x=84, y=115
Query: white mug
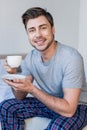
x=14, y=61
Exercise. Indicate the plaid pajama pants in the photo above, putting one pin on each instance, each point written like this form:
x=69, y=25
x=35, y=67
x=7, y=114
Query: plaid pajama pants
x=13, y=112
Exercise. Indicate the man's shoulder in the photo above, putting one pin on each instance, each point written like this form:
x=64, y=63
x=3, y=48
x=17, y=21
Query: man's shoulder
x=69, y=51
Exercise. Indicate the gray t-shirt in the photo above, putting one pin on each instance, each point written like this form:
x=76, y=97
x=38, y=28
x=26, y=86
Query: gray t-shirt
x=64, y=70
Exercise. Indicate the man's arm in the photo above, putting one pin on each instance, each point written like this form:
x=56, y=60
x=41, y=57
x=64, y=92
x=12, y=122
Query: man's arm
x=65, y=106
x=21, y=93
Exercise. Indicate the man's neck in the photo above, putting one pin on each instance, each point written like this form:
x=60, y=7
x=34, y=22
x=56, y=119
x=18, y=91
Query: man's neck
x=48, y=54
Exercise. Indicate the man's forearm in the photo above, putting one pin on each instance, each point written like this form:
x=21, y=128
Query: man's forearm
x=64, y=106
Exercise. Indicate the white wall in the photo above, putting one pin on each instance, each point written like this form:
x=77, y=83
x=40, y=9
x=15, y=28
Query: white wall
x=13, y=38
x=83, y=31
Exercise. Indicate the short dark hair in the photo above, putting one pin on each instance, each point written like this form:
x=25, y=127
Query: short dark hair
x=35, y=12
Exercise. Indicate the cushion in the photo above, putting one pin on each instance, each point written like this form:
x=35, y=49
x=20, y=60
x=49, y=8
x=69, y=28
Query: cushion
x=85, y=128
x=36, y=123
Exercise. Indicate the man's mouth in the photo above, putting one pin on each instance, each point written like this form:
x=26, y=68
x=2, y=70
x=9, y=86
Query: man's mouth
x=40, y=42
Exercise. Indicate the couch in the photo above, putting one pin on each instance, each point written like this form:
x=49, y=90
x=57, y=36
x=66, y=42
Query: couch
x=35, y=123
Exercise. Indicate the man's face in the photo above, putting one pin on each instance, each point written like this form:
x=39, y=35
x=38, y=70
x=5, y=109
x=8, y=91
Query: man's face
x=40, y=33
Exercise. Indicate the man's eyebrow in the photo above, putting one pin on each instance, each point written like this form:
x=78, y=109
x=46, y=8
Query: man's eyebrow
x=43, y=25
x=30, y=28
x=39, y=26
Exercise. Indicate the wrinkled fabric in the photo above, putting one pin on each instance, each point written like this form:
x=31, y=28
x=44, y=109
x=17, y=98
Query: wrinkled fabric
x=13, y=112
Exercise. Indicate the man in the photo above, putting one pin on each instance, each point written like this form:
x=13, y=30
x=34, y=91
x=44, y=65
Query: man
x=58, y=74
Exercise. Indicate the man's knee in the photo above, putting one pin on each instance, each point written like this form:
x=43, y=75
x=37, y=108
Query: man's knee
x=7, y=105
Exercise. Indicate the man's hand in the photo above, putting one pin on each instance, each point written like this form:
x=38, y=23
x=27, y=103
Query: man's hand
x=9, y=69
x=21, y=86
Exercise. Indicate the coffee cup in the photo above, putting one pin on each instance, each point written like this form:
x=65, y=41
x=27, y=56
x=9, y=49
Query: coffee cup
x=14, y=61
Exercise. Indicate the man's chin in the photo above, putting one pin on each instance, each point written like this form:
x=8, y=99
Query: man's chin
x=40, y=49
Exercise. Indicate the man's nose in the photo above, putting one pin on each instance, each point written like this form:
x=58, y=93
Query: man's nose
x=38, y=33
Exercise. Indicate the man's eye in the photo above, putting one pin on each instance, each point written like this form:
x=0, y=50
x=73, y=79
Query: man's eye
x=30, y=31
x=43, y=27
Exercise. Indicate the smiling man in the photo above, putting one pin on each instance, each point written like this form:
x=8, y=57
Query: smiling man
x=58, y=74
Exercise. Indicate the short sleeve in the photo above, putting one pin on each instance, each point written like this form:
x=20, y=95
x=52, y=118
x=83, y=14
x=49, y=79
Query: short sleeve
x=74, y=75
